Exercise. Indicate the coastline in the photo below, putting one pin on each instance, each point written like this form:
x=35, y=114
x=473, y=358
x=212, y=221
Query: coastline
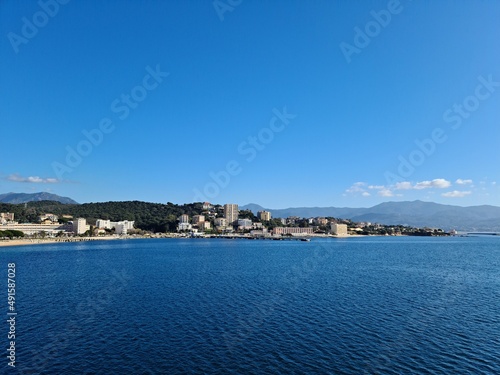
x=39, y=241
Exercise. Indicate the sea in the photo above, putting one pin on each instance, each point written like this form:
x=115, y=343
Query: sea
x=369, y=305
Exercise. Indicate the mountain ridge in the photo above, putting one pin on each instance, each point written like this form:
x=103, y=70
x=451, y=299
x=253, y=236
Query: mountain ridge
x=414, y=213
x=19, y=198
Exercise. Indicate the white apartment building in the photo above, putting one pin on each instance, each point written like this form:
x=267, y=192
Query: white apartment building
x=80, y=226
x=184, y=226
x=184, y=218
x=103, y=224
x=29, y=229
x=231, y=213
x=121, y=227
x=127, y=224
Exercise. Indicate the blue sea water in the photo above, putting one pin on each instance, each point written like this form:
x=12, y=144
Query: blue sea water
x=330, y=306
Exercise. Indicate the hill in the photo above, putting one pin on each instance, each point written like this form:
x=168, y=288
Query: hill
x=18, y=198
x=155, y=217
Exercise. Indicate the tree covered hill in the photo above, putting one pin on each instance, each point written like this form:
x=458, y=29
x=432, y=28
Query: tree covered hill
x=18, y=198
x=155, y=217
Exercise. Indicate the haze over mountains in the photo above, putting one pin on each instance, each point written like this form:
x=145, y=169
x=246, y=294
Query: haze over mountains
x=18, y=198
x=416, y=213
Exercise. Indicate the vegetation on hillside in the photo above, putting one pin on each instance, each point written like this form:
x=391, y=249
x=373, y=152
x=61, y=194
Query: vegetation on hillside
x=154, y=217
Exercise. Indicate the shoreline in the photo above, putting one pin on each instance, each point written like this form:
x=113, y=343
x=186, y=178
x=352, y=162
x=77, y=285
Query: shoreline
x=40, y=241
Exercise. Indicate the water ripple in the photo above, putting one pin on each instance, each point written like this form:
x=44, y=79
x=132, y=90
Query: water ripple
x=223, y=307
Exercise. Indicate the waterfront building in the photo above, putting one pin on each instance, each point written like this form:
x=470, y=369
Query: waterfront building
x=103, y=224
x=259, y=233
x=231, y=213
x=204, y=225
x=80, y=226
x=244, y=224
x=339, y=229
x=30, y=229
x=184, y=226
x=121, y=227
x=184, y=219
x=293, y=230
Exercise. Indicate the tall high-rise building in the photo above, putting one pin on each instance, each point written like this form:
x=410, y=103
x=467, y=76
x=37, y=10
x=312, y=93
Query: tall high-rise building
x=80, y=226
x=231, y=213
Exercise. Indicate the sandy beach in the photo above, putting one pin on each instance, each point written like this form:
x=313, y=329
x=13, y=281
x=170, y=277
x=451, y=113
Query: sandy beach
x=39, y=241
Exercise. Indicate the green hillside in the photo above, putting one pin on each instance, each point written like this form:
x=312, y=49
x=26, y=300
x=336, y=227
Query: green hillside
x=154, y=217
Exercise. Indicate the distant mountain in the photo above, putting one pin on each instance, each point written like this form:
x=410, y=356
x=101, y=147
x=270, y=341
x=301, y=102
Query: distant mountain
x=416, y=213
x=17, y=198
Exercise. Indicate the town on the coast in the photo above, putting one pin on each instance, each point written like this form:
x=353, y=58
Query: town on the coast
x=211, y=220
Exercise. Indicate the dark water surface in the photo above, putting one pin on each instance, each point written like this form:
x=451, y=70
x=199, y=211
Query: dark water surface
x=353, y=306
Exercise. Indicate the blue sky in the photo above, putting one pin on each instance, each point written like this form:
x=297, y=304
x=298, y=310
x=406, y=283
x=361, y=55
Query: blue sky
x=283, y=103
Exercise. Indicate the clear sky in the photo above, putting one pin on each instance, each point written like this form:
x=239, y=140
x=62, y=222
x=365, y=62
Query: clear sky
x=281, y=103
